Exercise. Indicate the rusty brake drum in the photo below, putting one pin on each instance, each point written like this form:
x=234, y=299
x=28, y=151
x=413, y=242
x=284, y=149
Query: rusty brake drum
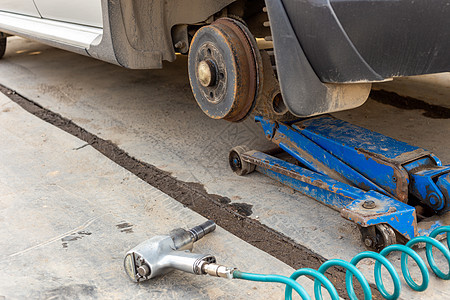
x=223, y=70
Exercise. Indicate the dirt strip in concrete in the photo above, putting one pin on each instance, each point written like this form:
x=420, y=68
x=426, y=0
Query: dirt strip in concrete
x=432, y=88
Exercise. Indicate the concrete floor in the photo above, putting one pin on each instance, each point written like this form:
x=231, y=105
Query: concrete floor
x=68, y=215
x=153, y=116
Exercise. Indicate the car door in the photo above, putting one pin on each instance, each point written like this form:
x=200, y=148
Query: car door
x=85, y=12
x=24, y=7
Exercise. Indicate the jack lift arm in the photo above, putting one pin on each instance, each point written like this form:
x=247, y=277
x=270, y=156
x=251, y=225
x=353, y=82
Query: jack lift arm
x=375, y=181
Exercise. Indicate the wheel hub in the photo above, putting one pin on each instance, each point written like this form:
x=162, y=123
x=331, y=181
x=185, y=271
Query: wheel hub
x=211, y=73
x=207, y=73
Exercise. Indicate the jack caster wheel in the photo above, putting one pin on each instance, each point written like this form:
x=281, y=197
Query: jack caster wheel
x=239, y=166
x=223, y=70
x=378, y=237
x=2, y=44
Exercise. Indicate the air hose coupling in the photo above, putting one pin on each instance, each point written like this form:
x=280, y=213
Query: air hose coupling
x=216, y=270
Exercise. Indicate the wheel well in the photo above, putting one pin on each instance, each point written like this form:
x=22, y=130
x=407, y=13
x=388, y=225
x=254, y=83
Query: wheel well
x=249, y=12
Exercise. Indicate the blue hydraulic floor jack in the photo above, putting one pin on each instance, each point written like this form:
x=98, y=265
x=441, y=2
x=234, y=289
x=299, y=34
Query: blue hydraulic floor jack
x=392, y=190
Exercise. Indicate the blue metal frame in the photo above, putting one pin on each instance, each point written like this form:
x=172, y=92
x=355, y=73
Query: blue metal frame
x=365, y=175
x=339, y=196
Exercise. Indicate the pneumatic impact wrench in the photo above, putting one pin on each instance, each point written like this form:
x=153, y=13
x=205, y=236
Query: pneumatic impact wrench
x=164, y=253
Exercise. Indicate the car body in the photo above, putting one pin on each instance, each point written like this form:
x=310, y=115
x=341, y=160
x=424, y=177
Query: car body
x=326, y=52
